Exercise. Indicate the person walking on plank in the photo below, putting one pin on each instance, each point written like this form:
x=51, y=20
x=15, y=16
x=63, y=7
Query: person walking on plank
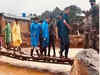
x=7, y=31
x=16, y=36
x=45, y=35
x=35, y=32
x=52, y=37
x=65, y=28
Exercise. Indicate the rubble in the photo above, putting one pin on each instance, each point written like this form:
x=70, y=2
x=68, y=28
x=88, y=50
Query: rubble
x=79, y=68
x=91, y=59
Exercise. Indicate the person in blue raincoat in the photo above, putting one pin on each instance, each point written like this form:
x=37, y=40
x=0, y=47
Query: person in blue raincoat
x=45, y=35
x=35, y=32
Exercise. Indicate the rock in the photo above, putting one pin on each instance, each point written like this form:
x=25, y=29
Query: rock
x=90, y=58
x=79, y=68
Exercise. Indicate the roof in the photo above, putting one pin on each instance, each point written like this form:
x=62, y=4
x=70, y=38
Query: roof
x=8, y=15
x=1, y=14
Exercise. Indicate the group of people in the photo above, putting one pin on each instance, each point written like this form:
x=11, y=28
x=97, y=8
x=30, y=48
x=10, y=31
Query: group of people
x=63, y=32
x=42, y=35
x=47, y=35
x=12, y=35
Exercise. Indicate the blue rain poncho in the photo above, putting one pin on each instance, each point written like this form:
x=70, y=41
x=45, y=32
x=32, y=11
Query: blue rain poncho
x=45, y=34
x=35, y=31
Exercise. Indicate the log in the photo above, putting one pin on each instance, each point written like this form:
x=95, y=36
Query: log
x=43, y=58
x=56, y=69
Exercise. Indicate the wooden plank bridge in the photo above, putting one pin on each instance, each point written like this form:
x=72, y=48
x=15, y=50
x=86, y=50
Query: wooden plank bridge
x=46, y=59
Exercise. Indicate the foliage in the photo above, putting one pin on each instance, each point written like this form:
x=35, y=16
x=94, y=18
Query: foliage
x=95, y=15
x=74, y=11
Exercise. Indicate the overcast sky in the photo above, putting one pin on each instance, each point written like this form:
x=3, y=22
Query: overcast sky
x=39, y=6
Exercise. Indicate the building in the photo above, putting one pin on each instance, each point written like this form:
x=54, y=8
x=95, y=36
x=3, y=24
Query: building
x=24, y=25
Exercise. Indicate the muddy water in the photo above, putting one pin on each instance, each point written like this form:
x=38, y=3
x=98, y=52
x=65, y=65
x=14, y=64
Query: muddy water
x=6, y=69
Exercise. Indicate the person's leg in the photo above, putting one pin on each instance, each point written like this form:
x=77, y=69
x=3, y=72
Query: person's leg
x=41, y=44
x=45, y=51
x=41, y=51
x=49, y=48
x=61, y=48
x=66, y=49
x=32, y=50
x=7, y=45
x=53, y=45
x=94, y=44
x=14, y=50
x=37, y=51
x=43, y=47
x=20, y=50
x=40, y=48
x=61, y=52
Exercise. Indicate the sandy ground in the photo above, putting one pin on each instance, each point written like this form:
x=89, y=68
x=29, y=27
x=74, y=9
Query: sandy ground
x=6, y=69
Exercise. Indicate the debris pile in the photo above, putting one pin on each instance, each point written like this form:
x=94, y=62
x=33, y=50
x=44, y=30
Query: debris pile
x=88, y=57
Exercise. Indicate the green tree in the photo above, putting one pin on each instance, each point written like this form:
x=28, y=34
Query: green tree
x=95, y=16
x=74, y=11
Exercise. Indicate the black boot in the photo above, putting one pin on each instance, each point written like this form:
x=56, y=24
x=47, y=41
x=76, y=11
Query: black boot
x=31, y=54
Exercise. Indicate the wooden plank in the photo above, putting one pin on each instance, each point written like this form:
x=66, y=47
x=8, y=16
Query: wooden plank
x=44, y=58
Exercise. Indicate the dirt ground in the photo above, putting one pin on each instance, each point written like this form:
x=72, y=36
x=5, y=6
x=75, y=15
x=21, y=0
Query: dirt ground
x=24, y=69
x=7, y=69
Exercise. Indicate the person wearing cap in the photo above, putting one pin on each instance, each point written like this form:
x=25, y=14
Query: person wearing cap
x=35, y=32
x=65, y=28
x=45, y=35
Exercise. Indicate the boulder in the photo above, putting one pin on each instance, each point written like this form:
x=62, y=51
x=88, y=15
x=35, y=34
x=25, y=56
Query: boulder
x=79, y=68
x=90, y=58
